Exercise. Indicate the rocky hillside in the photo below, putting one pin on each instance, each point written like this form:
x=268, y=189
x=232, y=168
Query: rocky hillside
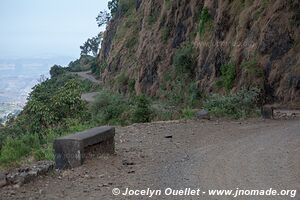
x=161, y=47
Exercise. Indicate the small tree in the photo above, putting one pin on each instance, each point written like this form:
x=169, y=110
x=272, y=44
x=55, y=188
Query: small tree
x=113, y=6
x=103, y=18
x=56, y=70
x=91, y=46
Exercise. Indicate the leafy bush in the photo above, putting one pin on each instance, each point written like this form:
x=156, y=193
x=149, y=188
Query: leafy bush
x=142, y=112
x=131, y=86
x=188, y=113
x=56, y=71
x=228, y=75
x=179, y=90
x=239, y=105
x=48, y=105
x=184, y=59
x=14, y=149
x=84, y=63
x=108, y=109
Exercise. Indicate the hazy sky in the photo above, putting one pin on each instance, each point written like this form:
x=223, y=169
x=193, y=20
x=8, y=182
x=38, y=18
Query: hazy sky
x=34, y=28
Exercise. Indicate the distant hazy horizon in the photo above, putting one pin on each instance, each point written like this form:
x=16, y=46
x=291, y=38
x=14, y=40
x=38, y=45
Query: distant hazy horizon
x=34, y=36
x=48, y=28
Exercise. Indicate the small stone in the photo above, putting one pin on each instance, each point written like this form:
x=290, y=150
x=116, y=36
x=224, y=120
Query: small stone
x=101, y=176
x=202, y=114
x=86, y=190
x=41, y=192
x=16, y=186
x=126, y=162
x=3, y=181
x=107, y=184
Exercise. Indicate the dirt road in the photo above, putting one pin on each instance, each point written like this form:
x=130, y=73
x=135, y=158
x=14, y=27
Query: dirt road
x=88, y=75
x=252, y=154
x=89, y=97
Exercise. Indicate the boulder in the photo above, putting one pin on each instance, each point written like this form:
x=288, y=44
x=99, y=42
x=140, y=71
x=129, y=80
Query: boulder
x=202, y=114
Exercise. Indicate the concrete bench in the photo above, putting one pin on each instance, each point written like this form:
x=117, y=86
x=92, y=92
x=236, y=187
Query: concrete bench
x=72, y=150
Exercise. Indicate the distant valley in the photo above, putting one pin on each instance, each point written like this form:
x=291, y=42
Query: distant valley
x=18, y=76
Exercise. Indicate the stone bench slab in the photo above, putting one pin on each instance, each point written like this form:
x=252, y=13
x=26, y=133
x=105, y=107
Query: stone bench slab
x=72, y=150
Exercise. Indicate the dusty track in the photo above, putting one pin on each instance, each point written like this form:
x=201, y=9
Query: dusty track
x=87, y=75
x=252, y=154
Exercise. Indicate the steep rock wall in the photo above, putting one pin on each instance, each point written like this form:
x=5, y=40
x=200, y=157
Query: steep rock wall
x=259, y=39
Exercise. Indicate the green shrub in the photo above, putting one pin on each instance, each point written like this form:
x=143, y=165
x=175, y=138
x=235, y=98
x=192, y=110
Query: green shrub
x=14, y=149
x=108, y=109
x=131, y=86
x=184, y=59
x=194, y=95
x=126, y=6
x=188, y=113
x=142, y=111
x=228, y=74
x=131, y=42
x=239, y=105
x=56, y=70
x=84, y=63
x=179, y=90
x=152, y=18
x=121, y=79
x=51, y=107
x=164, y=112
x=166, y=31
x=95, y=68
x=103, y=66
x=47, y=108
x=176, y=93
x=205, y=21
x=253, y=68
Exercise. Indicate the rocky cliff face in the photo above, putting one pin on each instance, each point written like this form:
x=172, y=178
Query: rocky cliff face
x=216, y=45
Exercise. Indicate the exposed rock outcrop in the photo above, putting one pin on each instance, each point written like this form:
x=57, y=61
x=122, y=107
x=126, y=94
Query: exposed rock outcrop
x=26, y=174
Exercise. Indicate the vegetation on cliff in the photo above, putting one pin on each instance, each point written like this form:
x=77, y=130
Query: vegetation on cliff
x=225, y=47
